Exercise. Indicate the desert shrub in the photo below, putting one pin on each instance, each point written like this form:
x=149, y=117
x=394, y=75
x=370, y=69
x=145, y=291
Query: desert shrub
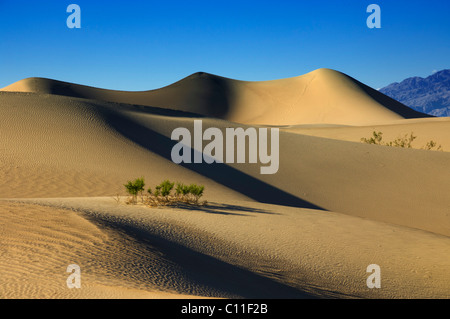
x=182, y=192
x=196, y=191
x=162, y=196
x=164, y=188
x=431, y=145
x=404, y=141
x=117, y=198
x=189, y=193
x=181, y=189
x=134, y=188
x=375, y=139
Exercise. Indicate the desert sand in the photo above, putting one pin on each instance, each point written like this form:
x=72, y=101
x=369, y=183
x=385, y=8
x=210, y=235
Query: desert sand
x=335, y=206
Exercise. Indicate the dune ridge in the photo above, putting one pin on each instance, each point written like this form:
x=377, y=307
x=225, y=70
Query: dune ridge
x=321, y=96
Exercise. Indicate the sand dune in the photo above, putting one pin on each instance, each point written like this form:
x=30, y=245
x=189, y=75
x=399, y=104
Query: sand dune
x=39, y=243
x=75, y=151
x=334, y=201
x=385, y=183
x=321, y=96
x=210, y=252
x=426, y=129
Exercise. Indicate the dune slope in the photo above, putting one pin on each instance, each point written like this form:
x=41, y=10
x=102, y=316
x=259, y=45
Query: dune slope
x=97, y=146
x=54, y=146
x=241, y=250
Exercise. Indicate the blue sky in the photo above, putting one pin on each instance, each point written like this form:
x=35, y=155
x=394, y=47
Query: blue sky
x=140, y=45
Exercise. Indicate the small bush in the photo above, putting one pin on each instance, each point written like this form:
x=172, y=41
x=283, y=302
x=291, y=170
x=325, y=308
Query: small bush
x=181, y=190
x=404, y=142
x=375, y=139
x=164, y=188
x=134, y=188
x=431, y=145
x=162, y=196
x=189, y=193
x=196, y=191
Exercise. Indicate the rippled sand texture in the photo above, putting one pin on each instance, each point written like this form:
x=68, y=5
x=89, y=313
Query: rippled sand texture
x=334, y=207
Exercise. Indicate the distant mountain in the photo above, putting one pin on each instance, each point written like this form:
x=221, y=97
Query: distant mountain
x=429, y=95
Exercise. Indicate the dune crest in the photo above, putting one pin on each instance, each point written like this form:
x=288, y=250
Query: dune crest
x=323, y=96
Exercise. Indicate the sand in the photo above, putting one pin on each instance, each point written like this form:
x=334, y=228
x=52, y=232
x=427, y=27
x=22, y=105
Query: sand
x=425, y=129
x=335, y=206
x=321, y=96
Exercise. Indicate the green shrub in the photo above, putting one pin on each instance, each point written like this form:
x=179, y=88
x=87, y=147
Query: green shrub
x=375, y=139
x=135, y=187
x=404, y=142
x=431, y=145
x=196, y=191
x=164, y=188
x=162, y=196
x=181, y=189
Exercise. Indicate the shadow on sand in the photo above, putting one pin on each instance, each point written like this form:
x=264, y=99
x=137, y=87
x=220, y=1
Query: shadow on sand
x=221, y=173
x=197, y=273
x=224, y=209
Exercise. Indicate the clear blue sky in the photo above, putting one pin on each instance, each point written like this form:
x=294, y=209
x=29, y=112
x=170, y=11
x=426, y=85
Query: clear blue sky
x=140, y=45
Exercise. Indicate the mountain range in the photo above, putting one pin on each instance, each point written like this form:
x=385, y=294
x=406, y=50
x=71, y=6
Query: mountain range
x=430, y=95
